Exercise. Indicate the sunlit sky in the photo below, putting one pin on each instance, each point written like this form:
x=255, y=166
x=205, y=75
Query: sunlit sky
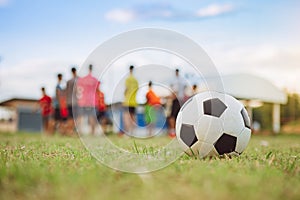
x=41, y=38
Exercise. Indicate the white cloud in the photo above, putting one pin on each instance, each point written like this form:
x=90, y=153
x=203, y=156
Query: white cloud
x=214, y=10
x=163, y=11
x=120, y=15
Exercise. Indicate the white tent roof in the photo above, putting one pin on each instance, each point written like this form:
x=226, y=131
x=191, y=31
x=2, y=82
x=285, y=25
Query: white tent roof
x=247, y=86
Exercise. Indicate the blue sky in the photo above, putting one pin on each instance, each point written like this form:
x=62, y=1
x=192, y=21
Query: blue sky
x=39, y=38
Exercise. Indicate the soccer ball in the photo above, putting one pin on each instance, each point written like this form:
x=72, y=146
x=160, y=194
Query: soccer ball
x=213, y=124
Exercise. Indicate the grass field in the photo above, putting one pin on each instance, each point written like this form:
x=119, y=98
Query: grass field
x=37, y=167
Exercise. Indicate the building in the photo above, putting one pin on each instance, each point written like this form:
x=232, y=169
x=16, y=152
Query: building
x=253, y=91
x=23, y=115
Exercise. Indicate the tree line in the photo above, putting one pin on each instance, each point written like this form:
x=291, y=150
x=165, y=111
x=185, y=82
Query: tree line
x=289, y=112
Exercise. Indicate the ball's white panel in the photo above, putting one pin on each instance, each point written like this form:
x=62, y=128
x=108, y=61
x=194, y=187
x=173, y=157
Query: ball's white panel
x=233, y=103
x=182, y=145
x=178, y=124
x=209, y=129
x=213, y=153
x=232, y=118
x=243, y=140
x=207, y=150
x=190, y=113
x=200, y=98
x=199, y=102
x=233, y=122
x=194, y=150
x=201, y=150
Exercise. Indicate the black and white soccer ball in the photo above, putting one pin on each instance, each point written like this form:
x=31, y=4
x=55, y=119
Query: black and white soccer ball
x=213, y=124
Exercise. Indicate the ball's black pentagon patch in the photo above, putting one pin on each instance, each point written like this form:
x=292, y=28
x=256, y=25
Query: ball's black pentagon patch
x=188, y=135
x=214, y=107
x=225, y=144
x=246, y=118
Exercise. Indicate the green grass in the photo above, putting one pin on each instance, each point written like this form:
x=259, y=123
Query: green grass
x=37, y=167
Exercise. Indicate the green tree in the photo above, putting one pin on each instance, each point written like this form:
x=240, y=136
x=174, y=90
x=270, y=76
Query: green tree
x=263, y=115
x=291, y=110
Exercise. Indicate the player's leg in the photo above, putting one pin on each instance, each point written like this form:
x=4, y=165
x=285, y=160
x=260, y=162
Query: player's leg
x=126, y=120
x=132, y=119
x=91, y=119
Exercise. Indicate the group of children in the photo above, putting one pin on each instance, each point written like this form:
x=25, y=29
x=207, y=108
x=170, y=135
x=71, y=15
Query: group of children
x=82, y=97
x=153, y=103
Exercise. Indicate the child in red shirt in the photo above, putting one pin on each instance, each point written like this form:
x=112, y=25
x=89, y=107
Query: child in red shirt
x=46, y=109
x=101, y=109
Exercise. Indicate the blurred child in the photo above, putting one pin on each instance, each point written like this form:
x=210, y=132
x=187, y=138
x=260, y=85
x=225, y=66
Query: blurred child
x=60, y=106
x=46, y=110
x=195, y=90
x=71, y=102
x=152, y=105
x=178, y=86
x=101, y=109
x=130, y=103
x=86, y=87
